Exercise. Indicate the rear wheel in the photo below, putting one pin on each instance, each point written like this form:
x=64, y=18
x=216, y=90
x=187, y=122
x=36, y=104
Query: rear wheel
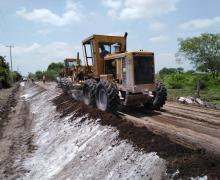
x=89, y=92
x=107, y=98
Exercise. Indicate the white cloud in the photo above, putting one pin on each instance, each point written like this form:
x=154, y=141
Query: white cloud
x=159, y=39
x=156, y=26
x=114, y=4
x=201, y=23
x=26, y=49
x=137, y=9
x=46, y=16
x=33, y=57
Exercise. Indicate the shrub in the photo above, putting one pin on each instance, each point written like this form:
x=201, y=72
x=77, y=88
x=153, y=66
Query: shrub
x=175, y=81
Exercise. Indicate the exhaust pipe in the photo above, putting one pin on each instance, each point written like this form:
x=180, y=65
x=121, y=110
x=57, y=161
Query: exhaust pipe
x=77, y=59
x=125, y=46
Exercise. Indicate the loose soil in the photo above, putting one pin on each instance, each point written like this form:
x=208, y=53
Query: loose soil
x=190, y=163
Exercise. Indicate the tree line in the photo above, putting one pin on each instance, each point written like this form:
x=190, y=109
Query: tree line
x=50, y=74
x=7, y=77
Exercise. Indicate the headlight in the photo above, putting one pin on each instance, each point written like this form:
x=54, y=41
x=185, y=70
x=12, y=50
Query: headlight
x=151, y=94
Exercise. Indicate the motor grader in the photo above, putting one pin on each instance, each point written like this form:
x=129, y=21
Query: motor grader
x=72, y=72
x=113, y=77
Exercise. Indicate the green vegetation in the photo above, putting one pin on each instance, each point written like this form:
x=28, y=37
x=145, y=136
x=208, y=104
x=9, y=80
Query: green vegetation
x=50, y=74
x=6, y=75
x=203, y=52
x=180, y=83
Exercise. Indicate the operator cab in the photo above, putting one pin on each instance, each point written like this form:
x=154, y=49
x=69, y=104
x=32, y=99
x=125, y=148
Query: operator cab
x=97, y=47
x=70, y=63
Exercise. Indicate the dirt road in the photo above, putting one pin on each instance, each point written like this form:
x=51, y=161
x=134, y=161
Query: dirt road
x=51, y=136
x=16, y=136
x=190, y=126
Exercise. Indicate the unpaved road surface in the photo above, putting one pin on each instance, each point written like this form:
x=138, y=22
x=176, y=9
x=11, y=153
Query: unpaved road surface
x=48, y=135
x=15, y=136
x=190, y=126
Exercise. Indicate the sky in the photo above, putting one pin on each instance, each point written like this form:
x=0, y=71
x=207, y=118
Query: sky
x=45, y=31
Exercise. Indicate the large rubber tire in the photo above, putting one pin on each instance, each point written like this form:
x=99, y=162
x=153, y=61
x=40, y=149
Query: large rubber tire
x=65, y=85
x=89, y=92
x=160, y=96
x=107, y=98
x=59, y=84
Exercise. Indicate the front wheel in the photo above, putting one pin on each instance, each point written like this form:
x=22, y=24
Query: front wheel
x=107, y=98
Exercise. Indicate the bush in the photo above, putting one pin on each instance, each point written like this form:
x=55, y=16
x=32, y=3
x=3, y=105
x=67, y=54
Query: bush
x=174, y=81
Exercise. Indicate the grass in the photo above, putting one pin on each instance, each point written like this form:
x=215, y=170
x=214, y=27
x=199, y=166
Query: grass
x=215, y=102
x=211, y=95
x=173, y=94
x=184, y=84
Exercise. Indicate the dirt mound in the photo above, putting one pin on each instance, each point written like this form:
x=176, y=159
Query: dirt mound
x=190, y=163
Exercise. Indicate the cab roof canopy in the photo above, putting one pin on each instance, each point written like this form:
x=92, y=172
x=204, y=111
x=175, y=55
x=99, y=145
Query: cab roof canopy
x=69, y=59
x=104, y=38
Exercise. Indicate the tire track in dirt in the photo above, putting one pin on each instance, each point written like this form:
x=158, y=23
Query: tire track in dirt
x=191, y=108
x=16, y=142
x=182, y=122
x=6, y=108
x=198, y=126
x=212, y=120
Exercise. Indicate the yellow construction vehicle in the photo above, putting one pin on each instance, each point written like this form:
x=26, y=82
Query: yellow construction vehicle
x=114, y=77
x=71, y=73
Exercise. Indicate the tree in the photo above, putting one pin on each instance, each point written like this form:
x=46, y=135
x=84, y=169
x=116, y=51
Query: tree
x=31, y=75
x=39, y=75
x=202, y=51
x=4, y=73
x=55, y=66
x=53, y=70
x=180, y=70
x=167, y=71
x=51, y=73
x=16, y=76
